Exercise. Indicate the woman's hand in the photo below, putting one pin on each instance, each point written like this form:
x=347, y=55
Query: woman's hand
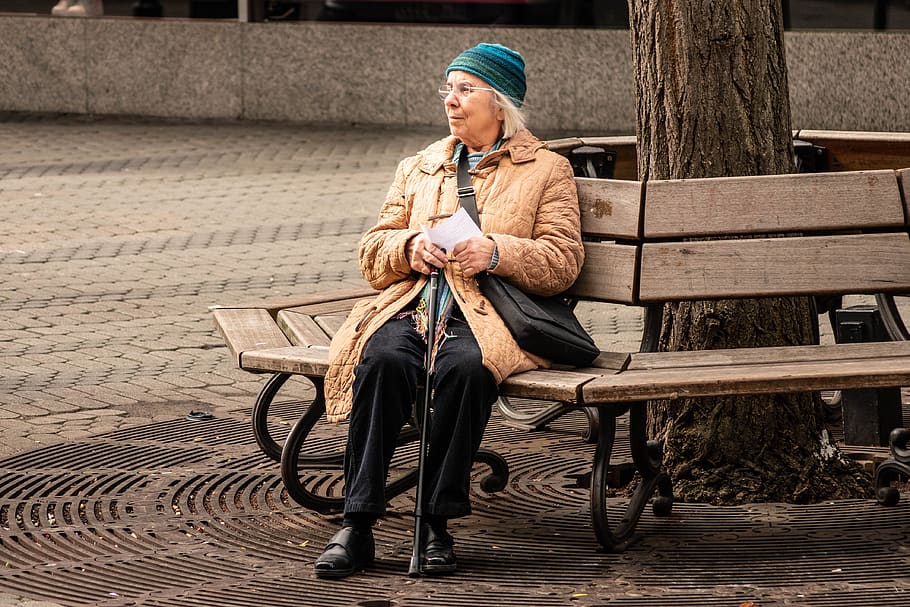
x=474, y=254
x=423, y=256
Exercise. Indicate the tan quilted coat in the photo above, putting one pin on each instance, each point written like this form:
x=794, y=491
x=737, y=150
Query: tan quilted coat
x=527, y=203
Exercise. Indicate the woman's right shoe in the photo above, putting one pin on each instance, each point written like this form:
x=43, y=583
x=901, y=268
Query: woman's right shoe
x=349, y=551
x=438, y=552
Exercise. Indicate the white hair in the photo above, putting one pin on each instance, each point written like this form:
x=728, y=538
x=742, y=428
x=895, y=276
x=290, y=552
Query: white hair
x=513, y=117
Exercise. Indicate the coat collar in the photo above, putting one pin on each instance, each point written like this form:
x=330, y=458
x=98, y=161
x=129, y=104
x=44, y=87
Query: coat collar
x=521, y=147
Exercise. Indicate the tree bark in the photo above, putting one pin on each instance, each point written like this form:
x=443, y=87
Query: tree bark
x=712, y=101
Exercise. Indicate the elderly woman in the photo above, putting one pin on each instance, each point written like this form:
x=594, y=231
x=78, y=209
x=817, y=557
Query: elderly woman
x=529, y=215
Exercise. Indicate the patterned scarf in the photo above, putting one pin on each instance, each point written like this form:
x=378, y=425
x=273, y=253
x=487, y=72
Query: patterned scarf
x=445, y=305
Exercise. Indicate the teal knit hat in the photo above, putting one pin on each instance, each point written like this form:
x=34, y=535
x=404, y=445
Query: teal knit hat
x=501, y=67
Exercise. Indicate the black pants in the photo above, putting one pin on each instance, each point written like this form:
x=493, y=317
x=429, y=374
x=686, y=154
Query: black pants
x=385, y=387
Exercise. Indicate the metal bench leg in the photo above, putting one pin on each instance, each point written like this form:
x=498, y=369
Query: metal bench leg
x=292, y=463
x=264, y=438
x=646, y=455
x=593, y=430
x=894, y=468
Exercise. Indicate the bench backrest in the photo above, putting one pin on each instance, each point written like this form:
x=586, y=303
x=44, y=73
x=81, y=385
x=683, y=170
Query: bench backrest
x=800, y=234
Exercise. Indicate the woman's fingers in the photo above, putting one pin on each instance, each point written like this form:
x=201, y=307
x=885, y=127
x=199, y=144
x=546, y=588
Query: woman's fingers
x=424, y=256
x=474, y=255
x=436, y=256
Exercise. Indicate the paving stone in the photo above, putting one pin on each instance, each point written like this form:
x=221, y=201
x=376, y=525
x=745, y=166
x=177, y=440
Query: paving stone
x=209, y=379
x=74, y=433
x=31, y=410
x=6, y=362
x=101, y=414
x=49, y=423
x=18, y=426
x=154, y=384
x=64, y=404
x=44, y=438
x=7, y=414
x=105, y=395
x=88, y=364
x=49, y=358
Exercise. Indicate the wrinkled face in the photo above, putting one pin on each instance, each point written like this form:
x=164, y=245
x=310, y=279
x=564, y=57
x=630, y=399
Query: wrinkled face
x=474, y=117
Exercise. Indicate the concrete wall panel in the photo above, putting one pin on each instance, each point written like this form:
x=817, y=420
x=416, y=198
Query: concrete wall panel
x=43, y=66
x=849, y=81
x=579, y=81
x=164, y=68
x=324, y=72
x=423, y=57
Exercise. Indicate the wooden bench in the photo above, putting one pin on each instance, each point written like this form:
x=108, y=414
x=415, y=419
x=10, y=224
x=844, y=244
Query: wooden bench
x=647, y=244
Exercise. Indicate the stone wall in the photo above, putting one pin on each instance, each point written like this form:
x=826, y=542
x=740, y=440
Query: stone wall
x=579, y=80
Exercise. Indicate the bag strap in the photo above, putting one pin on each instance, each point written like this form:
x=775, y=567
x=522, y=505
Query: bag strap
x=465, y=187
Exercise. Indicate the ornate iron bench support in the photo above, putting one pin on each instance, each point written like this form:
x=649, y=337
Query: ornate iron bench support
x=267, y=394
x=647, y=457
x=538, y=419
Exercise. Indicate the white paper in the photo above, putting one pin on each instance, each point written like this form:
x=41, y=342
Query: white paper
x=452, y=230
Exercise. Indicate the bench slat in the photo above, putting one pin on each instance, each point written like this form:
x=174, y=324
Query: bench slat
x=302, y=330
x=608, y=273
x=796, y=369
x=652, y=361
x=248, y=329
x=859, y=263
x=562, y=385
x=344, y=304
x=609, y=207
x=546, y=384
x=275, y=304
x=903, y=176
x=330, y=323
x=298, y=360
x=857, y=151
x=772, y=203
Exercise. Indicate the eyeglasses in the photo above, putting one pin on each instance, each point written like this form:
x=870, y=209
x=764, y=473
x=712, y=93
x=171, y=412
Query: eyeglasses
x=462, y=90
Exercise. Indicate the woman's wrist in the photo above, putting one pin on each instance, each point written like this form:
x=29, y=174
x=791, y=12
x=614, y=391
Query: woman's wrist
x=494, y=259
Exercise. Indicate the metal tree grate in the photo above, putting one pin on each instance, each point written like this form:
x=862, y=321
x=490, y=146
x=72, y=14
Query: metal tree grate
x=189, y=513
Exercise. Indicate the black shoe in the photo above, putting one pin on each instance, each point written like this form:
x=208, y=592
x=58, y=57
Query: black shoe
x=438, y=552
x=349, y=551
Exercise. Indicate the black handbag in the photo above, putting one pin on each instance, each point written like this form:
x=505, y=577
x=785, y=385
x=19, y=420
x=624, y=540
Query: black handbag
x=545, y=326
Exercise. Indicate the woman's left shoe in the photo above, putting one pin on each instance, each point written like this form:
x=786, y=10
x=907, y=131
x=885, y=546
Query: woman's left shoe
x=438, y=552
x=349, y=551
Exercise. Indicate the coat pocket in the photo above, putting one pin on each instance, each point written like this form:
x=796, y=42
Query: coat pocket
x=361, y=313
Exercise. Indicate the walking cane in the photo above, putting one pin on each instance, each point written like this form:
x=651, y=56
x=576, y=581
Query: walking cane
x=417, y=554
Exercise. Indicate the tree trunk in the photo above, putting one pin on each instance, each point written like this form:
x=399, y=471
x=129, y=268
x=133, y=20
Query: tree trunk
x=711, y=88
